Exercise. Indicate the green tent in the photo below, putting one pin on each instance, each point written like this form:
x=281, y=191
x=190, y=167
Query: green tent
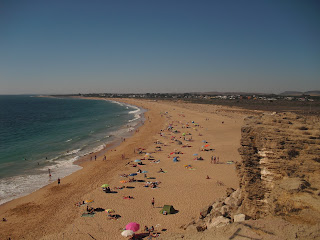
x=168, y=209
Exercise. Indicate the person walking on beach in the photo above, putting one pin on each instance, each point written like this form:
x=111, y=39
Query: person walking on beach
x=58, y=181
x=211, y=159
x=152, y=202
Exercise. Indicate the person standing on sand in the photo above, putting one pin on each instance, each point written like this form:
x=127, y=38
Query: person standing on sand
x=152, y=202
x=58, y=181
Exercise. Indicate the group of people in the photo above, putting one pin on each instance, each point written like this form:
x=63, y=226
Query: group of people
x=90, y=210
x=107, y=190
x=214, y=159
x=146, y=229
x=152, y=184
x=78, y=204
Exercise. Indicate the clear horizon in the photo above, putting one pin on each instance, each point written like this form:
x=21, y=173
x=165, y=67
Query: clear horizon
x=70, y=47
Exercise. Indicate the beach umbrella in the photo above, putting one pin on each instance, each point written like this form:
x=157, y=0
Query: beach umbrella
x=183, y=134
x=105, y=185
x=133, y=174
x=109, y=211
x=196, y=154
x=207, y=145
x=133, y=226
x=137, y=160
x=127, y=233
x=204, y=141
x=123, y=181
x=88, y=201
x=144, y=172
x=147, y=154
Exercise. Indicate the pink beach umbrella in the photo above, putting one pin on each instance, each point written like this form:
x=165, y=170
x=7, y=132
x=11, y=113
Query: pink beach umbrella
x=133, y=226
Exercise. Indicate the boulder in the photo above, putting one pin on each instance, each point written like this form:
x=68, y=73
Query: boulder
x=235, y=194
x=201, y=228
x=218, y=222
x=205, y=211
x=229, y=191
x=239, y=218
x=217, y=205
x=230, y=201
x=215, y=213
x=225, y=210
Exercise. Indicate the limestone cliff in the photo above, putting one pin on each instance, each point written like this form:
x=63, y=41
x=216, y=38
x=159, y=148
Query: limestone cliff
x=280, y=169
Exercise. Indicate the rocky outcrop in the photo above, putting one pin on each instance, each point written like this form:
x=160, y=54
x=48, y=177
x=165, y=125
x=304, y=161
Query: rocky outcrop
x=279, y=153
x=279, y=174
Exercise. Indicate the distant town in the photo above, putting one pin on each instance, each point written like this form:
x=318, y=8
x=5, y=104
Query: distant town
x=209, y=96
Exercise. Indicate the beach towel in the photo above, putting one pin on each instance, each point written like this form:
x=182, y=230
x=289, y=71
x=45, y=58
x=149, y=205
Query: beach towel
x=128, y=197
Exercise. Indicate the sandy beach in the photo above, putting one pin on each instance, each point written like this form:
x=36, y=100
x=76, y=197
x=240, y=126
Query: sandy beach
x=171, y=129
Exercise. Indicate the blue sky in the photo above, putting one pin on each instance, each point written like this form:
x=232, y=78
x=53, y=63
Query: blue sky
x=61, y=46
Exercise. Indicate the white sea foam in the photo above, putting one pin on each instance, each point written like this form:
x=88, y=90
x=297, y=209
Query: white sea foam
x=137, y=111
x=72, y=152
x=18, y=186
x=99, y=148
x=119, y=103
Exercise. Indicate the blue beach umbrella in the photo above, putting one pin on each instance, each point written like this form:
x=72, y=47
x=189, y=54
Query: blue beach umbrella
x=196, y=154
x=144, y=172
x=137, y=160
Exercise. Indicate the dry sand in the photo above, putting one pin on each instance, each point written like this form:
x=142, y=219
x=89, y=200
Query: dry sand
x=50, y=213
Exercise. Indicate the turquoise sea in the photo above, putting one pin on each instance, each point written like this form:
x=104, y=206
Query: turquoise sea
x=38, y=133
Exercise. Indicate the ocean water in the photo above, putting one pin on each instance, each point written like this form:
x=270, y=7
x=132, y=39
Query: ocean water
x=37, y=134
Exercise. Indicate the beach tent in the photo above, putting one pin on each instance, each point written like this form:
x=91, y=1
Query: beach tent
x=168, y=208
x=175, y=159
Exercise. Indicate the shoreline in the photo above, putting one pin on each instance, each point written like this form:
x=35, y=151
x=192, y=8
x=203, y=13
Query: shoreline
x=77, y=163
x=117, y=141
x=58, y=201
